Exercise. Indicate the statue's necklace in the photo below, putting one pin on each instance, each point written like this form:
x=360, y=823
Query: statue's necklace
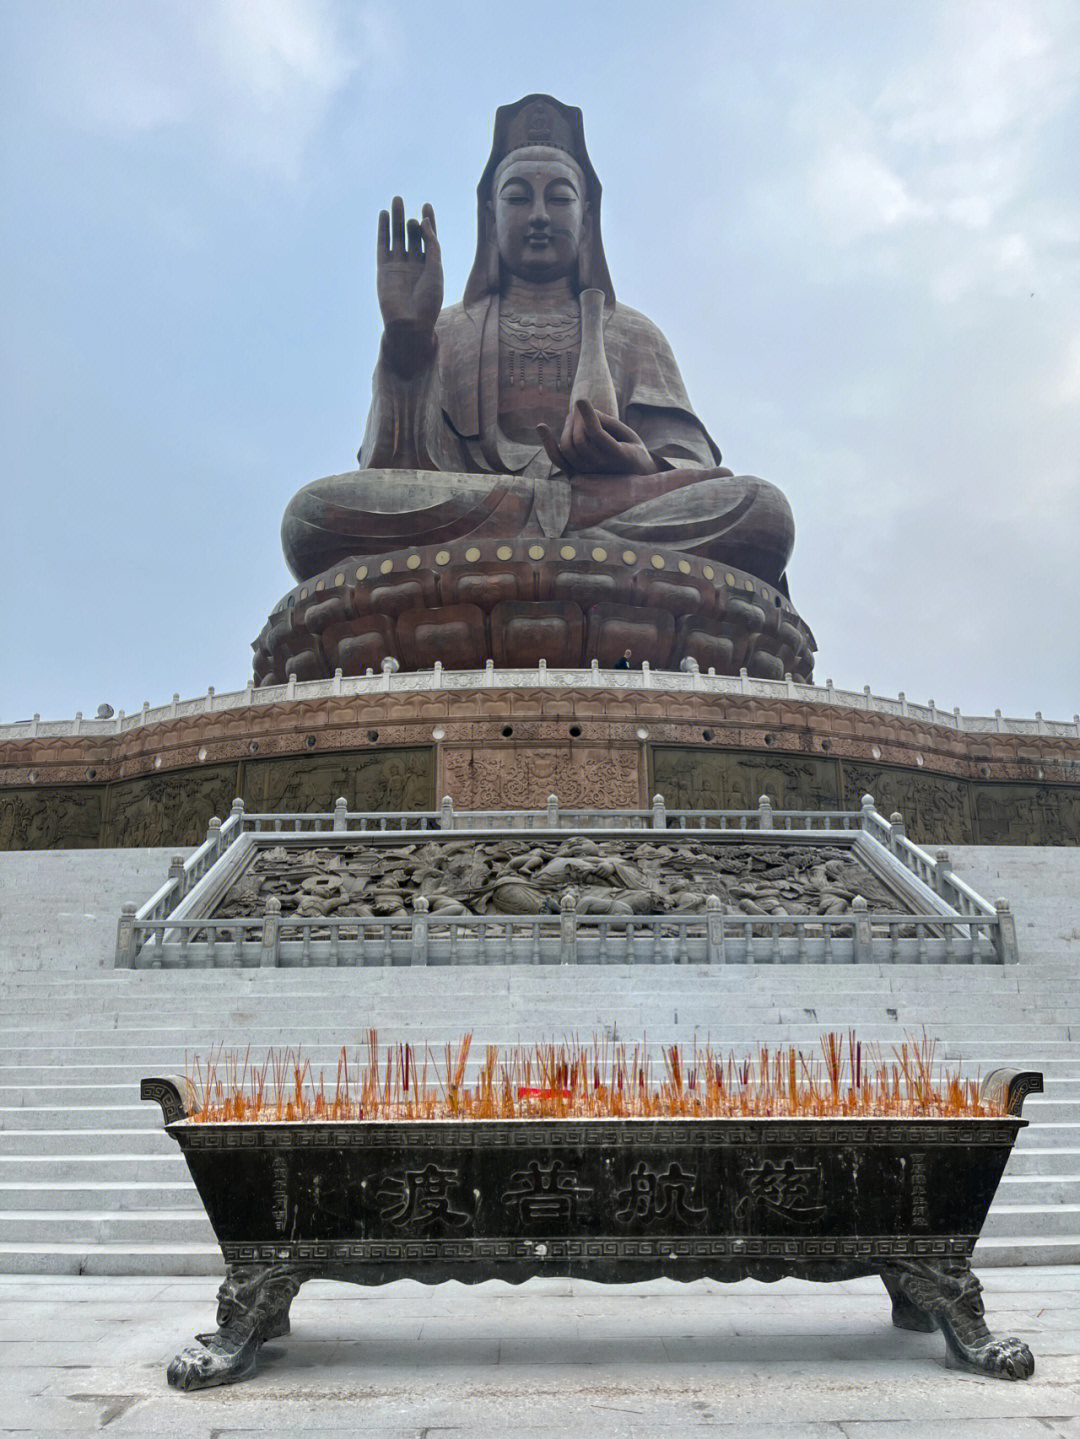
x=548, y=340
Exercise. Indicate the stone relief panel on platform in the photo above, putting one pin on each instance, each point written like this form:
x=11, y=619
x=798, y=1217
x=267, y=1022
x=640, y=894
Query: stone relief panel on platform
x=515, y=777
x=1026, y=814
x=690, y=777
x=936, y=809
x=470, y=875
x=50, y=818
x=383, y=780
x=168, y=809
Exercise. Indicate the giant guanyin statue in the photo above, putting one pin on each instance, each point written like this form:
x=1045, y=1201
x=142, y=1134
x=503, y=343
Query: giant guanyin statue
x=533, y=445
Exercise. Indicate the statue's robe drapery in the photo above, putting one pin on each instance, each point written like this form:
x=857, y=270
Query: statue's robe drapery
x=435, y=466
x=448, y=419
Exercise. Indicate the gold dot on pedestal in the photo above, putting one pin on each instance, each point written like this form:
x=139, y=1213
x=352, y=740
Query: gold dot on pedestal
x=729, y=578
x=568, y=552
x=472, y=555
x=504, y=552
x=320, y=585
x=709, y=572
x=361, y=573
x=750, y=586
x=386, y=567
x=443, y=557
x=339, y=578
x=629, y=557
x=536, y=552
x=599, y=555
x=413, y=562
x=657, y=562
x=303, y=594
x=684, y=567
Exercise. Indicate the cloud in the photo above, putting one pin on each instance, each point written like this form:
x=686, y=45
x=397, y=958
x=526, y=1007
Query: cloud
x=857, y=193
x=955, y=152
x=996, y=69
x=1064, y=387
x=256, y=78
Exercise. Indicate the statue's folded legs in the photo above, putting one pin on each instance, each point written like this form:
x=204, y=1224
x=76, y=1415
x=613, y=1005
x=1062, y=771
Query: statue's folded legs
x=737, y=520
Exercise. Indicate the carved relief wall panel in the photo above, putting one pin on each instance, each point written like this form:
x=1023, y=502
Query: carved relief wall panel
x=387, y=779
x=1027, y=814
x=55, y=818
x=693, y=777
x=522, y=777
x=168, y=809
x=936, y=809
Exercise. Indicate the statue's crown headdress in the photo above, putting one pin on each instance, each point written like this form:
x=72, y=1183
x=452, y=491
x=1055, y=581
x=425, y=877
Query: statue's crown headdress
x=539, y=120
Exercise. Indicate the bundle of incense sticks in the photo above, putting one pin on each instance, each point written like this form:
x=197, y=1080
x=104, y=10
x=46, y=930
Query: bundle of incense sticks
x=596, y=1080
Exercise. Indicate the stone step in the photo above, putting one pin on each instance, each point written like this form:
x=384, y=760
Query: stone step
x=1031, y=1160
x=1048, y=1135
x=82, y=1141
x=102, y=978
x=100, y=1194
x=160, y=1167
x=25, y=1081
x=993, y=1252
x=1018, y=1042
x=87, y=1117
x=1024, y=1190
x=152, y=1226
x=79, y=1257
x=1035, y=1221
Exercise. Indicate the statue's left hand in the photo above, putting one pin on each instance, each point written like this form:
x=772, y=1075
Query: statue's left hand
x=593, y=443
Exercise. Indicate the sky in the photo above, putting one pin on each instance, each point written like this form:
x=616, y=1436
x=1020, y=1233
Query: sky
x=858, y=225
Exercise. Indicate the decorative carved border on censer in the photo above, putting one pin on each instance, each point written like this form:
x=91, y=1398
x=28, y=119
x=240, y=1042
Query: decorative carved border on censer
x=604, y=1134
x=614, y=1247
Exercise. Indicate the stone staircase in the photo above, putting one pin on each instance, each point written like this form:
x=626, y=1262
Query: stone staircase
x=89, y=1183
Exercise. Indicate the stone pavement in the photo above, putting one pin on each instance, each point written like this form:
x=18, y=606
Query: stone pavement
x=80, y=1355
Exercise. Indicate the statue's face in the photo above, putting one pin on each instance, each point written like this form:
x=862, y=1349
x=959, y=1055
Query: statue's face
x=539, y=208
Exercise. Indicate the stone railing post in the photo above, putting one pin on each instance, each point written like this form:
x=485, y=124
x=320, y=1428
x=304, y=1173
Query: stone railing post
x=125, y=938
x=659, y=812
x=213, y=833
x=340, y=809
x=896, y=820
x=765, y=813
x=552, y=811
x=270, y=934
x=714, y=927
x=176, y=874
x=942, y=871
x=568, y=928
x=238, y=810
x=866, y=811
x=420, y=930
x=860, y=947
x=1005, y=945
x=446, y=813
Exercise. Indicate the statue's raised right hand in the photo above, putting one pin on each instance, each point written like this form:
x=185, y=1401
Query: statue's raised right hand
x=410, y=286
